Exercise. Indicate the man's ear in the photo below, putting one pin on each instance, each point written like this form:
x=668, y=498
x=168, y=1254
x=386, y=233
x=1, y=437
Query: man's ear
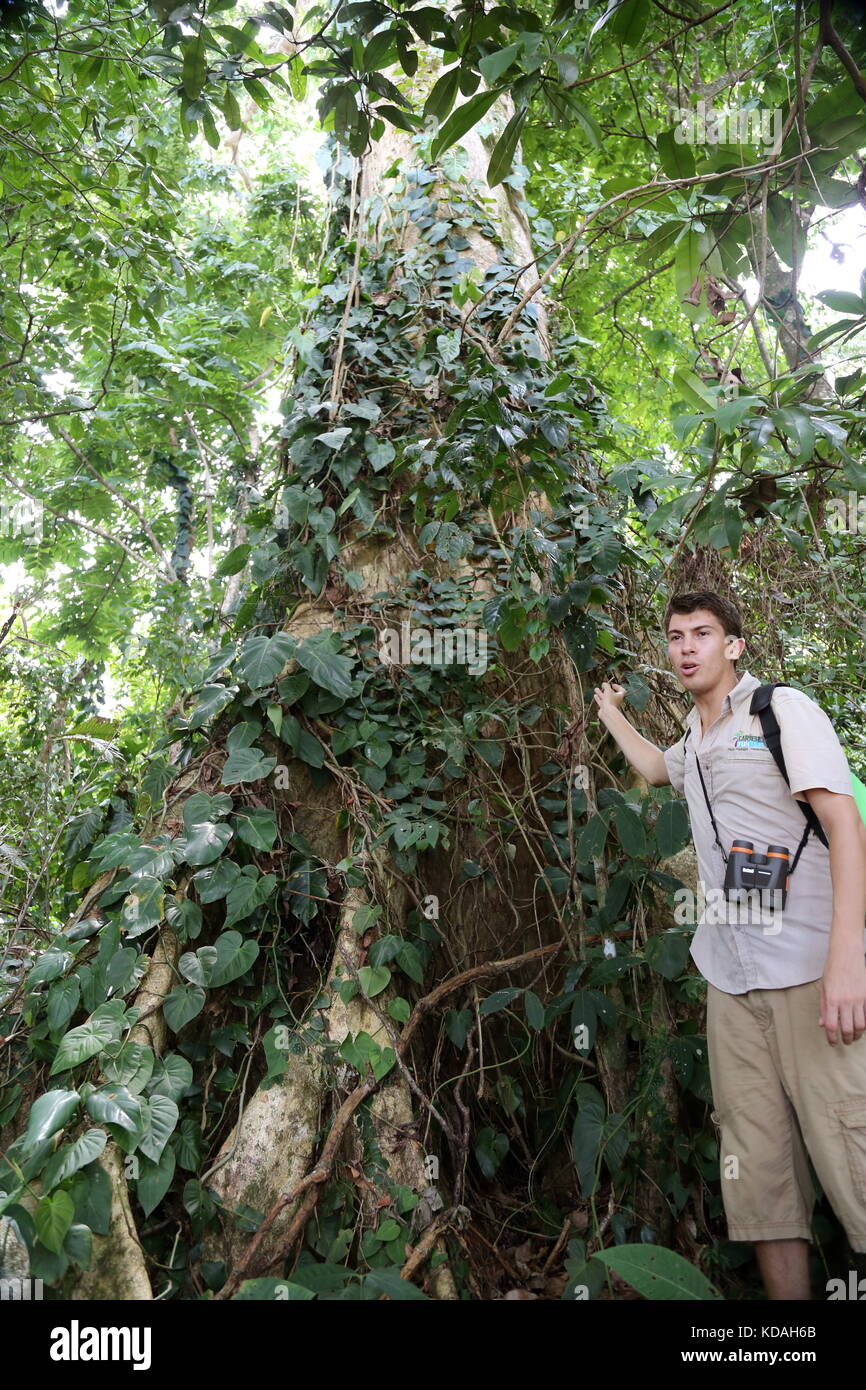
x=733, y=648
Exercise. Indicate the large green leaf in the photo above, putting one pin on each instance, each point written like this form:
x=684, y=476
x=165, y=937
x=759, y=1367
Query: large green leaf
x=461, y=120
x=158, y=1122
x=374, y=978
x=672, y=828
x=203, y=807
x=668, y=953
x=592, y=839
x=90, y=1190
x=442, y=94
x=131, y=1065
x=184, y=1003
x=53, y=1219
x=115, y=1105
x=69, y=1158
x=676, y=159
x=795, y=423
x=246, y=765
x=262, y=659
x=206, y=841
x=247, y=893
x=143, y=909
x=212, y=700
x=843, y=301
x=194, y=66
x=185, y=916
x=502, y=157
x=629, y=21
x=257, y=828
x=84, y=1042
x=196, y=966
x=496, y=64
x=688, y=263
x=586, y=1135
x=213, y=883
x=154, y=1179
x=657, y=1273
x=329, y=668
x=49, y=965
x=171, y=1077
x=692, y=390
x=234, y=957
x=49, y=1113
x=630, y=830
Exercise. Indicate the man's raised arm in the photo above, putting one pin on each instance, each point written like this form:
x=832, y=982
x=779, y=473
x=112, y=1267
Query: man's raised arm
x=643, y=755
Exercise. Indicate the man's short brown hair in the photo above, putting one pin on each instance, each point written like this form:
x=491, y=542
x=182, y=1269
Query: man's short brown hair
x=722, y=608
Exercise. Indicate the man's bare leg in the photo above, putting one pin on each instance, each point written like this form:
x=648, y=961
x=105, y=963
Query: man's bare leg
x=784, y=1266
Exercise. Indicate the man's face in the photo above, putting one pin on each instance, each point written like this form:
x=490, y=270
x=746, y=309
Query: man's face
x=696, y=646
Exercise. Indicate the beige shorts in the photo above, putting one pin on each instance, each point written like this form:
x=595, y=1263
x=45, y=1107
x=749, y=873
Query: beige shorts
x=781, y=1091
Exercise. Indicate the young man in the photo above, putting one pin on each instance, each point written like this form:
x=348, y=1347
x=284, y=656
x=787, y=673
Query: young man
x=782, y=1088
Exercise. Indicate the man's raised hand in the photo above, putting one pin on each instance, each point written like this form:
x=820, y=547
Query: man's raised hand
x=609, y=697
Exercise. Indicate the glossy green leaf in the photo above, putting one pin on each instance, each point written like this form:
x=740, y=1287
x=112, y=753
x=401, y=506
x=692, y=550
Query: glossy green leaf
x=53, y=1219
x=49, y=1113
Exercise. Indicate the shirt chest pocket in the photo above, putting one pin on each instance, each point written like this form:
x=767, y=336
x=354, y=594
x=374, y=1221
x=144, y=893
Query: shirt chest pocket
x=746, y=756
x=751, y=770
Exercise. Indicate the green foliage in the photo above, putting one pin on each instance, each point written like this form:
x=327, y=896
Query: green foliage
x=657, y=1273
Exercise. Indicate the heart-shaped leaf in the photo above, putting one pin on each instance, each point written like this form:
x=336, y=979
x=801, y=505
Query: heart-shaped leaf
x=246, y=765
x=234, y=957
x=182, y=1004
x=84, y=1042
x=115, y=1105
x=50, y=1113
x=206, y=841
x=69, y=1158
x=154, y=1180
x=159, y=1118
x=374, y=979
x=53, y=1218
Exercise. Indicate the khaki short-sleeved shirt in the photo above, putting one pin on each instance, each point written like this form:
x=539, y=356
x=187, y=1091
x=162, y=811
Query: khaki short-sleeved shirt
x=738, y=947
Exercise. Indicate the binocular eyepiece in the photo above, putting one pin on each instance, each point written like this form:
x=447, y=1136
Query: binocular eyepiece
x=768, y=873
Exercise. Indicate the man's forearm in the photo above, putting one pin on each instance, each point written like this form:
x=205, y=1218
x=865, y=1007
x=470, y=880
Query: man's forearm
x=848, y=875
x=642, y=754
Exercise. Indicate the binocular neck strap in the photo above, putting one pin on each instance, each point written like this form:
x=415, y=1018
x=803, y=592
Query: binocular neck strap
x=803, y=840
x=706, y=799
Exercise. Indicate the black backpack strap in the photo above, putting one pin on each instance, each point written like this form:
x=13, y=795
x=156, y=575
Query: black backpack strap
x=762, y=706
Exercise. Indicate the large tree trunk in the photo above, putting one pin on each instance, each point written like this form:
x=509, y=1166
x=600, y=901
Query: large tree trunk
x=272, y=1148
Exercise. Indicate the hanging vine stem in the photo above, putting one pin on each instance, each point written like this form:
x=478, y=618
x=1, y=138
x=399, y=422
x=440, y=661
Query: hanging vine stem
x=355, y=223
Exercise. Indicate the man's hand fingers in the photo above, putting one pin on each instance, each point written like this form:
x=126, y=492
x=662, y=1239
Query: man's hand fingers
x=829, y=1019
x=852, y=1021
x=847, y=1019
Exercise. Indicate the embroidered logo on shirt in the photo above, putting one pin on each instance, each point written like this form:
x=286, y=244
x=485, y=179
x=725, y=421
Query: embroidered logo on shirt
x=743, y=740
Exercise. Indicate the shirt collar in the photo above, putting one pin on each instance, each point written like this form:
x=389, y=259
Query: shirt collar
x=745, y=685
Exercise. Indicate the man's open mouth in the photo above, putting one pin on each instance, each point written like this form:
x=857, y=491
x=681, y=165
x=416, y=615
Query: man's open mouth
x=688, y=667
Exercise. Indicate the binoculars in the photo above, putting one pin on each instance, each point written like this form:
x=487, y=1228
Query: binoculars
x=747, y=871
